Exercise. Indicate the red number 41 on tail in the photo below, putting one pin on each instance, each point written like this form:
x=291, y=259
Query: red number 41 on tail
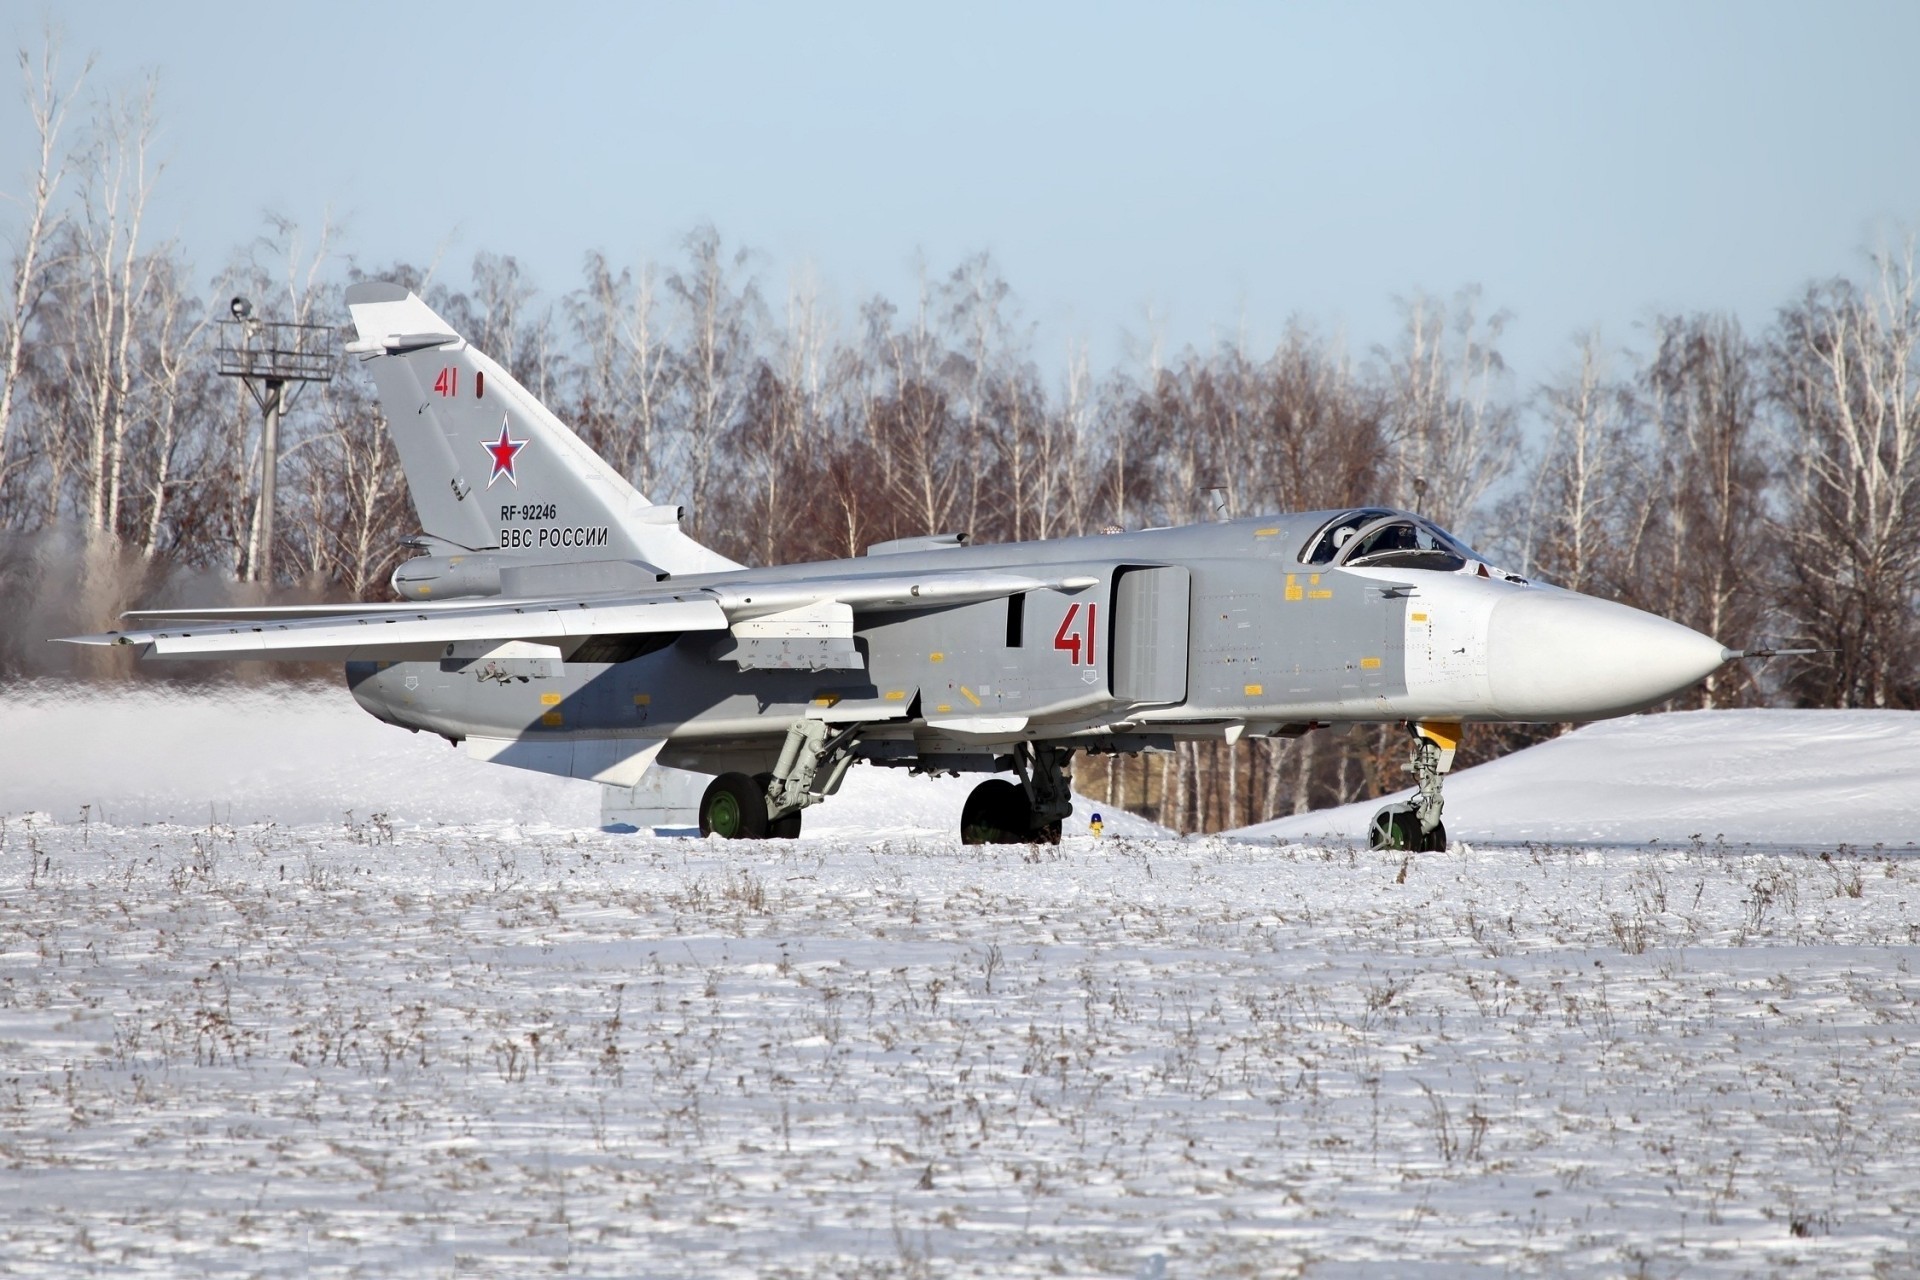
x=1070, y=640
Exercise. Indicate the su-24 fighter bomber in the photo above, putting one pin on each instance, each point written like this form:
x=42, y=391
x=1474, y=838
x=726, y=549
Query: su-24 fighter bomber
x=558, y=621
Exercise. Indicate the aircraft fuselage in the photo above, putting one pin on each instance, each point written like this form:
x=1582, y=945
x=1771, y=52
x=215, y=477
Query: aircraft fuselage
x=1199, y=631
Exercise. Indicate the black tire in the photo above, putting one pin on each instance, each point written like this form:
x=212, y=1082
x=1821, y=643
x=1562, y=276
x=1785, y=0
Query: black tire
x=734, y=807
x=997, y=812
x=787, y=828
x=1397, y=827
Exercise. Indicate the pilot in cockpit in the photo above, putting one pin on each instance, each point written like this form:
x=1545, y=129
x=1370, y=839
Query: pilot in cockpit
x=1378, y=538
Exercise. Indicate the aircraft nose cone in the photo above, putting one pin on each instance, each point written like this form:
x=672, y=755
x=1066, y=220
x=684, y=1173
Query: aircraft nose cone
x=1558, y=655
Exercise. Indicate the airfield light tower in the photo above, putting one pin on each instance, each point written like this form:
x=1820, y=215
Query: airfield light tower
x=267, y=355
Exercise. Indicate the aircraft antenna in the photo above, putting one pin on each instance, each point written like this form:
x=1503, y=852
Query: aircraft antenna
x=269, y=356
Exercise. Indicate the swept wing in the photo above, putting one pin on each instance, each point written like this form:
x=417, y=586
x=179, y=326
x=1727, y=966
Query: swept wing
x=418, y=631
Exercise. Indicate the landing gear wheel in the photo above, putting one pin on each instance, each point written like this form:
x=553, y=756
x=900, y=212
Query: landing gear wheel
x=1398, y=827
x=786, y=828
x=734, y=807
x=997, y=812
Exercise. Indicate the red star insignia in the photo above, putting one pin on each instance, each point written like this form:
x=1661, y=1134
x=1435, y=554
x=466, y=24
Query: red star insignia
x=504, y=450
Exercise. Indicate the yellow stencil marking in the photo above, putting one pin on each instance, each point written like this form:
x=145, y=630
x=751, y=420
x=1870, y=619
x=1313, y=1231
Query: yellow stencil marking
x=1321, y=594
x=943, y=707
x=1419, y=617
x=1255, y=690
x=968, y=694
x=936, y=657
x=642, y=699
x=549, y=699
x=827, y=700
x=551, y=719
x=1293, y=587
x=1265, y=533
x=426, y=591
x=1369, y=664
x=1314, y=580
x=896, y=695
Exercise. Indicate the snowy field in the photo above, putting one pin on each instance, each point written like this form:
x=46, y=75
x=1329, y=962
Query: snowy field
x=1775, y=778
x=243, y=1033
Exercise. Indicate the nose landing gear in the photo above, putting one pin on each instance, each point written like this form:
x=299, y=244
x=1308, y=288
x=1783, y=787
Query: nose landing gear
x=1414, y=825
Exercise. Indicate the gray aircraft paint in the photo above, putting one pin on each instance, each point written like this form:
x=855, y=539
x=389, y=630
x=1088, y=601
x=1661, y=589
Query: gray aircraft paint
x=550, y=497
x=593, y=637
x=1251, y=654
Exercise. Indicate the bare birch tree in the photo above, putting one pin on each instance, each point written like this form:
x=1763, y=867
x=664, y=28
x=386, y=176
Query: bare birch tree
x=1848, y=378
x=47, y=103
x=1453, y=433
x=116, y=275
x=175, y=389
x=1568, y=530
x=783, y=420
x=719, y=306
x=625, y=377
x=1710, y=464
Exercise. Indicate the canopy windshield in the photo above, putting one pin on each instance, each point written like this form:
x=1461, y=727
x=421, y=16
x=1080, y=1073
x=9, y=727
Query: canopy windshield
x=1334, y=537
x=1376, y=538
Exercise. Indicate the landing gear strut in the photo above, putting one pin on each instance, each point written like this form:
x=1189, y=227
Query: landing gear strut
x=1415, y=825
x=1032, y=812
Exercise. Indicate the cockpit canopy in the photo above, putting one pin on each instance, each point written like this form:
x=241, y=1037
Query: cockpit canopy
x=1375, y=537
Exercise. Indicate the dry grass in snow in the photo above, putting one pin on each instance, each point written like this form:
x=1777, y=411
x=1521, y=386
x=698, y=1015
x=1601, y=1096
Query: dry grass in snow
x=503, y=1051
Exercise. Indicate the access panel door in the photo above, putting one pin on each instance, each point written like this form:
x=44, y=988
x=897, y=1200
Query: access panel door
x=1149, y=634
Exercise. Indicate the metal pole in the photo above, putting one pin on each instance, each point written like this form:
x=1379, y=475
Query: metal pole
x=269, y=477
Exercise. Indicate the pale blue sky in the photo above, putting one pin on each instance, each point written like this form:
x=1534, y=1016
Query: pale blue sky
x=1217, y=165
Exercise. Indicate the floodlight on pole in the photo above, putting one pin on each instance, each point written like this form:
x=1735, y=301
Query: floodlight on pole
x=266, y=355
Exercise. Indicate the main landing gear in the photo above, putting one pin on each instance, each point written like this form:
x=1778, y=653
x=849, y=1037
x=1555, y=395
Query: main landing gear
x=812, y=762
x=814, y=759
x=1414, y=825
x=1028, y=812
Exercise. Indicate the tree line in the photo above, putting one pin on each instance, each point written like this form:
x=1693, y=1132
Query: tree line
x=1756, y=486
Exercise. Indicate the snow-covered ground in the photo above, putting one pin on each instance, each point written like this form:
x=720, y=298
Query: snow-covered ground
x=298, y=755
x=478, y=1036
x=1779, y=778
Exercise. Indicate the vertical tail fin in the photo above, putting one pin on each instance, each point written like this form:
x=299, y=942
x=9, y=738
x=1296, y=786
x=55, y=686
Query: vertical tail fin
x=488, y=465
